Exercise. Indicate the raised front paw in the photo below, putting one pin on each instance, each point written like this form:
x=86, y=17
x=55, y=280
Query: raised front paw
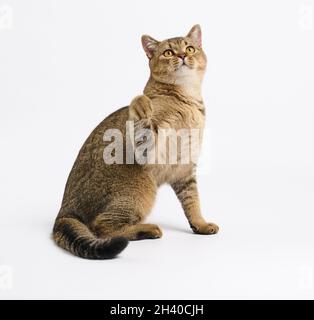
x=207, y=228
x=140, y=108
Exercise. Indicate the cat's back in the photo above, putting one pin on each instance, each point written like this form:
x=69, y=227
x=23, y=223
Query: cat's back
x=89, y=166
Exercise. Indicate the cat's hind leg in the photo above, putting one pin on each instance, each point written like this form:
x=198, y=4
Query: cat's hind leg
x=125, y=214
x=142, y=231
x=113, y=224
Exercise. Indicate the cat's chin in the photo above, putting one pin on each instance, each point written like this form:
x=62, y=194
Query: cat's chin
x=183, y=71
x=184, y=67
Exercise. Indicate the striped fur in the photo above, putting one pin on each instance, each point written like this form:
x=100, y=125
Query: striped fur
x=75, y=236
x=104, y=206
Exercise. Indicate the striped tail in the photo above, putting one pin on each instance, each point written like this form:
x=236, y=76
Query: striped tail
x=74, y=236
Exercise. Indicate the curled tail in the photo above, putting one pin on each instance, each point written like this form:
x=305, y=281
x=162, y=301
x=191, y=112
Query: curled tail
x=74, y=236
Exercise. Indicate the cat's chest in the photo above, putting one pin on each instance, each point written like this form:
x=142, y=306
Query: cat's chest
x=170, y=113
x=181, y=143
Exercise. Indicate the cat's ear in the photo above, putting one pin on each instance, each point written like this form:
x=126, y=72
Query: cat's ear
x=195, y=35
x=150, y=45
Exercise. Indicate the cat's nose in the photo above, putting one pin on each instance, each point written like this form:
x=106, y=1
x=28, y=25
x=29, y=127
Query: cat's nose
x=182, y=56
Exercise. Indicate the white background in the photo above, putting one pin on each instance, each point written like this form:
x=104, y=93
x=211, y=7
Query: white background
x=65, y=65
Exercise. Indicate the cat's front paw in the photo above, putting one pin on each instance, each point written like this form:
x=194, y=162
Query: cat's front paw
x=140, y=108
x=207, y=228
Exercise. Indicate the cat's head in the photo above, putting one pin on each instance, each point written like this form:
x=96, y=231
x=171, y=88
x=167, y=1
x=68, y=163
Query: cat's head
x=176, y=60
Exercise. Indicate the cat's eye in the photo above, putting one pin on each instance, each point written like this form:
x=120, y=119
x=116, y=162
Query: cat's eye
x=168, y=53
x=190, y=50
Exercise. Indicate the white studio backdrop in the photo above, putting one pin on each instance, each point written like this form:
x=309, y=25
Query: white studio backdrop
x=66, y=65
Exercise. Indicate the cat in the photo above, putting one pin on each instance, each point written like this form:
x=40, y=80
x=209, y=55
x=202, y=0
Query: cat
x=104, y=205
